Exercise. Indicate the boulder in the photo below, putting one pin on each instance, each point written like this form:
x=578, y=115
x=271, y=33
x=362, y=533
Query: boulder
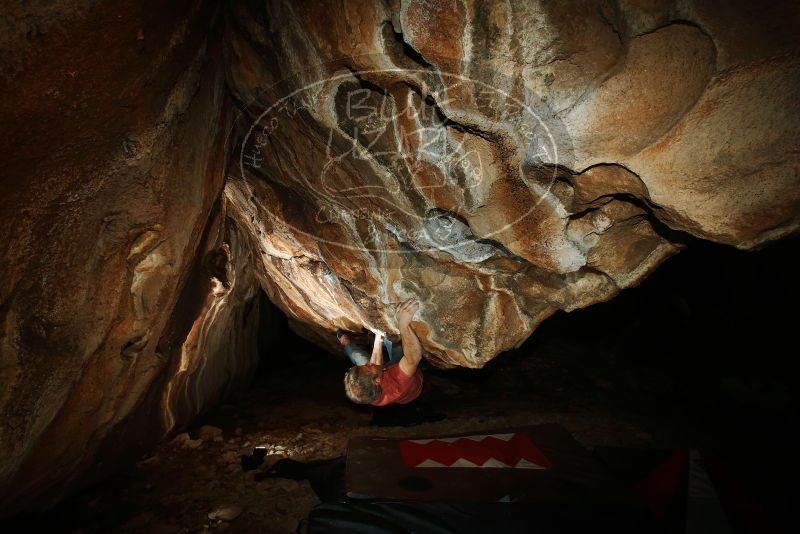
x=501, y=162
x=127, y=306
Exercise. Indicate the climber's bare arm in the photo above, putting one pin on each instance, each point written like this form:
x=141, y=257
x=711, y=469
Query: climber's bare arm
x=412, y=349
x=377, y=350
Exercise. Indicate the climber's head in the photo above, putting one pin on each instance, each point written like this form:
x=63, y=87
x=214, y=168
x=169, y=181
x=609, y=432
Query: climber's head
x=362, y=383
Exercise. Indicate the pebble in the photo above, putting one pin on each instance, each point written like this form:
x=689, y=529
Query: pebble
x=147, y=462
x=210, y=433
x=226, y=512
x=180, y=439
x=193, y=443
x=285, y=484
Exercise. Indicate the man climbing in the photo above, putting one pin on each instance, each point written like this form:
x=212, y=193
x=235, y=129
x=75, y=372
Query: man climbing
x=399, y=381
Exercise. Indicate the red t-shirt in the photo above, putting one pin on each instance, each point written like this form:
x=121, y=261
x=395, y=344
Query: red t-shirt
x=398, y=387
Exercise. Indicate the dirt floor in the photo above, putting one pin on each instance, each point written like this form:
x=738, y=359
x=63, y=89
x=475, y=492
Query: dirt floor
x=196, y=483
x=296, y=408
x=693, y=357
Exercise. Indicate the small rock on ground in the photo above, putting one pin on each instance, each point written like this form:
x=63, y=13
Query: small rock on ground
x=210, y=433
x=226, y=512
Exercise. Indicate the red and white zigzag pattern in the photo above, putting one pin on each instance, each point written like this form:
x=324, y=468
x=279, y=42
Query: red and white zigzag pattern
x=495, y=450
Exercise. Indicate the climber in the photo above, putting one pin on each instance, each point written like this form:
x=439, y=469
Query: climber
x=399, y=380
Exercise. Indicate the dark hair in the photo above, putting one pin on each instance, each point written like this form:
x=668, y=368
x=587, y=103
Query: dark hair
x=360, y=386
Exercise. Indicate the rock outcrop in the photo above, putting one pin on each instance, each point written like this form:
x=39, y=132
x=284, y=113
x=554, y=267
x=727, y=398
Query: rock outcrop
x=127, y=303
x=498, y=161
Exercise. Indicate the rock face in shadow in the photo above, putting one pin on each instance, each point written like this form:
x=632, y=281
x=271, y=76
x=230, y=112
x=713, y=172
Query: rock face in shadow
x=126, y=296
x=496, y=161
x=501, y=161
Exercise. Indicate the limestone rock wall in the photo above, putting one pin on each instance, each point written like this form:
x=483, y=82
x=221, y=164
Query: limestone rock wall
x=127, y=304
x=500, y=161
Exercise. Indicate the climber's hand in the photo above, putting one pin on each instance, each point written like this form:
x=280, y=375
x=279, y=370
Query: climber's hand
x=406, y=312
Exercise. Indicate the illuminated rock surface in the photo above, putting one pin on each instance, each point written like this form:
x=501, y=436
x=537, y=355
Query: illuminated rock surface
x=500, y=162
x=497, y=161
x=121, y=308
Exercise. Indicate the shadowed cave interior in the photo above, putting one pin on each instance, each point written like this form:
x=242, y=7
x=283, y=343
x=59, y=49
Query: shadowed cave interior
x=699, y=355
x=579, y=218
